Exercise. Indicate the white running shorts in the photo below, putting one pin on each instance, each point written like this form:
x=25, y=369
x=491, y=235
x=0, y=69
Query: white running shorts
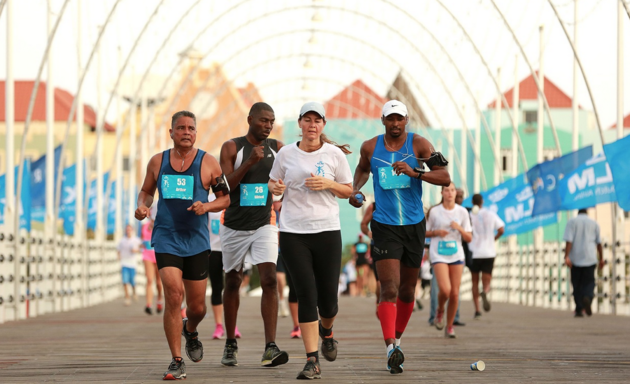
x=260, y=245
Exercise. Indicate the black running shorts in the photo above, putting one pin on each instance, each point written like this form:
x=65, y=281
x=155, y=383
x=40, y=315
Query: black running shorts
x=482, y=265
x=400, y=242
x=192, y=267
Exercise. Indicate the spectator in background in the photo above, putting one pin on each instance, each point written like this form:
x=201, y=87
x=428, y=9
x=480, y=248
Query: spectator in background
x=583, y=253
x=128, y=248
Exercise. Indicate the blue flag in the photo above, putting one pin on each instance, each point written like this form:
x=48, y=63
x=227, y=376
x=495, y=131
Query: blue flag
x=513, y=201
x=67, y=206
x=38, y=186
x=24, y=204
x=111, y=212
x=590, y=184
x=91, y=222
x=619, y=161
x=544, y=179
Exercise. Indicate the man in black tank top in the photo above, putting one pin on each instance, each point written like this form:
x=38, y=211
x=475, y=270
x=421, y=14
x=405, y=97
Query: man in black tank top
x=249, y=229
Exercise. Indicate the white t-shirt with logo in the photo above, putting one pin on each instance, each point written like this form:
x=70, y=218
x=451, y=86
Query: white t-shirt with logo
x=484, y=223
x=214, y=222
x=129, y=248
x=303, y=210
x=440, y=218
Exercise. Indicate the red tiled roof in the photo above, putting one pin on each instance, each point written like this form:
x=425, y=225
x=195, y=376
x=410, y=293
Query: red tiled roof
x=356, y=101
x=528, y=91
x=63, y=103
x=626, y=122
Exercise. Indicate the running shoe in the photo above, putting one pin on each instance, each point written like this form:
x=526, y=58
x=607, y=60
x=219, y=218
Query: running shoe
x=439, y=320
x=458, y=323
x=273, y=357
x=158, y=308
x=237, y=334
x=477, y=315
x=449, y=332
x=311, y=370
x=296, y=333
x=218, y=332
x=419, y=304
x=395, y=359
x=586, y=301
x=148, y=310
x=194, y=349
x=486, y=303
x=229, y=355
x=284, y=309
x=329, y=345
x=176, y=370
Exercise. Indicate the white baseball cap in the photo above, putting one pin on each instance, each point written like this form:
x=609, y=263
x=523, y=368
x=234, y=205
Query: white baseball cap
x=313, y=106
x=394, y=106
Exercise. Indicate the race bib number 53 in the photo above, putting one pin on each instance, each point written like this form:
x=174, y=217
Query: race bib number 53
x=178, y=187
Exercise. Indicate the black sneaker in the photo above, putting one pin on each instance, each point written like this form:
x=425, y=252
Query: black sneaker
x=194, y=348
x=273, y=357
x=477, y=315
x=486, y=302
x=229, y=355
x=311, y=370
x=329, y=345
x=459, y=323
x=587, y=305
x=148, y=310
x=419, y=304
x=176, y=370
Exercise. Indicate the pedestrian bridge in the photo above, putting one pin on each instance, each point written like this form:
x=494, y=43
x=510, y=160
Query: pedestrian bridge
x=40, y=275
x=109, y=342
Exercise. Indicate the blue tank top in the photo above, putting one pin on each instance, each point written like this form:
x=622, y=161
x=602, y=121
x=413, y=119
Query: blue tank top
x=177, y=231
x=398, y=198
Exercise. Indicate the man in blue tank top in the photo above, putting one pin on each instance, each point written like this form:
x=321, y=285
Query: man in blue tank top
x=249, y=229
x=396, y=160
x=183, y=177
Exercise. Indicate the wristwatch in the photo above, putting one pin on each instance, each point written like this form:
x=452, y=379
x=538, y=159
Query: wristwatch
x=419, y=171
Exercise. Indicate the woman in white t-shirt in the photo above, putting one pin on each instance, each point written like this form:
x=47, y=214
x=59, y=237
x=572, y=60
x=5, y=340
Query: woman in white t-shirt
x=312, y=173
x=447, y=226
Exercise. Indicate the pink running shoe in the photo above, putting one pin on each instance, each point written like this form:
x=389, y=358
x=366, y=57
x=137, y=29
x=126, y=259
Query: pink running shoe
x=218, y=332
x=237, y=334
x=296, y=333
x=449, y=332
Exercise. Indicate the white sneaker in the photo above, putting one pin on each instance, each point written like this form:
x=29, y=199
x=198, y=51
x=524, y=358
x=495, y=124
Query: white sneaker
x=284, y=308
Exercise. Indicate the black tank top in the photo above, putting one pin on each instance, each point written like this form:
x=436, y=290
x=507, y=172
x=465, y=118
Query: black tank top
x=248, y=218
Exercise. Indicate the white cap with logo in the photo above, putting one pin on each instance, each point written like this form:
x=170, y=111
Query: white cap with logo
x=313, y=106
x=394, y=106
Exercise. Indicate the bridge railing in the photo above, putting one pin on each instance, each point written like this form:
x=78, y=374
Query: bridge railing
x=39, y=276
x=538, y=277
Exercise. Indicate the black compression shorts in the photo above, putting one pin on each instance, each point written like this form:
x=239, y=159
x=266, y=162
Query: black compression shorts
x=193, y=267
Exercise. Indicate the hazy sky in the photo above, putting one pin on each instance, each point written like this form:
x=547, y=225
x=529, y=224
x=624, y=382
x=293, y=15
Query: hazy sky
x=309, y=50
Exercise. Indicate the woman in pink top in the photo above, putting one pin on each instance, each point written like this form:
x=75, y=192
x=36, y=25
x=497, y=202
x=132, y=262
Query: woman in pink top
x=150, y=268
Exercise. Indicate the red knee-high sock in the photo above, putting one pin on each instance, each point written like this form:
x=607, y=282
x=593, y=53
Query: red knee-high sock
x=403, y=314
x=387, y=316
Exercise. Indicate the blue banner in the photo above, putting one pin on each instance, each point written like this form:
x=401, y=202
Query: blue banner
x=513, y=201
x=38, y=186
x=619, y=160
x=67, y=206
x=24, y=205
x=111, y=212
x=544, y=179
x=587, y=186
x=91, y=221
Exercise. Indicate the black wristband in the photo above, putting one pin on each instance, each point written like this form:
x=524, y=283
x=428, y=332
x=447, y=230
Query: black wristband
x=419, y=171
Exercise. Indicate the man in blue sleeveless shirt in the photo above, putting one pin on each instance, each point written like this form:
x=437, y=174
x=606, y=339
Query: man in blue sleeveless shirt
x=249, y=229
x=396, y=160
x=183, y=177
